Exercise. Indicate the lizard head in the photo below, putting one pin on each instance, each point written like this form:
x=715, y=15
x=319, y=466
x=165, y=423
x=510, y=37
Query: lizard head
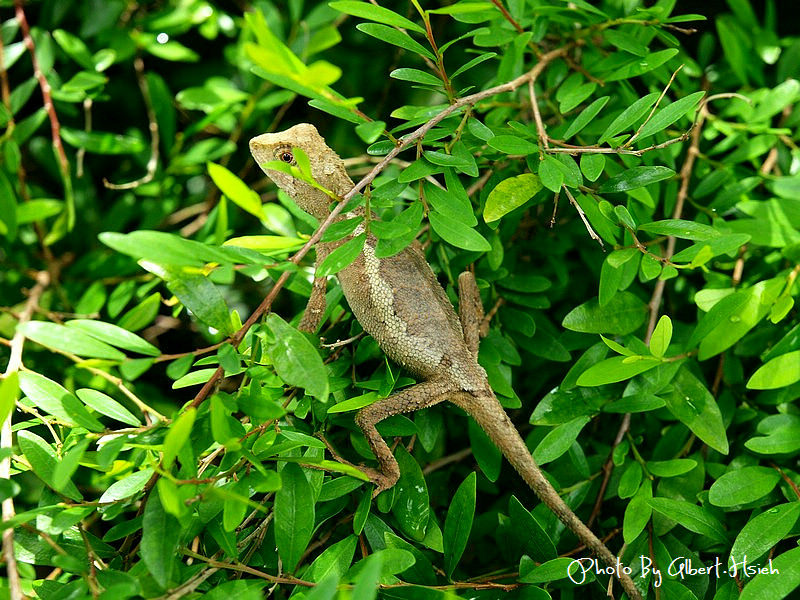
x=326, y=166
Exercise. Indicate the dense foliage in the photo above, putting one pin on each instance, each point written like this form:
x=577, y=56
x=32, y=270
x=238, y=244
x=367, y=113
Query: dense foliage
x=624, y=181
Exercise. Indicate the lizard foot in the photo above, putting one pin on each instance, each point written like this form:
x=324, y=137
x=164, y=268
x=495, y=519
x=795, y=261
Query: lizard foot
x=381, y=481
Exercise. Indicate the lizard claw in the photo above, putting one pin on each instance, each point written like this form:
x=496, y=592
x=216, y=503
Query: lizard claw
x=381, y=481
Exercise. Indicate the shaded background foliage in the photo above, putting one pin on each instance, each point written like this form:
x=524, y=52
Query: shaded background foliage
x=713, y=431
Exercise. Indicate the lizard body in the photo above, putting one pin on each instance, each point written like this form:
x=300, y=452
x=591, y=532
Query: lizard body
x=400, y=303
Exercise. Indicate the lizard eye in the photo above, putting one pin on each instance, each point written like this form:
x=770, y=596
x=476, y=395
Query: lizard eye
x=286, y=156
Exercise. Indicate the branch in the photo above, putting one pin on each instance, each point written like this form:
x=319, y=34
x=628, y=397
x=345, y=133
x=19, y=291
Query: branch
x=55, y=126
x=6, y=435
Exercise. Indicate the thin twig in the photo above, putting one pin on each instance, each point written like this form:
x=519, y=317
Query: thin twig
x=653, y=110
x=582, y=215
x=152, y=162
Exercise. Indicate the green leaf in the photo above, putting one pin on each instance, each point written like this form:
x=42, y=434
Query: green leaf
x=669, y=114
x=551, y=174
x=509, y=194
x=742, y=486
x=160, y=538
x=662, y=336
x=42, y=459
x=38, y=210
x=107, y=406
x=201, y=297
x=592, y=165
x=529, y=533
x=9, y=394
x=395, y=37
x=334, y=560
x=371, y=130
x=628, y=117
x=778, y=372
x=69, y=464
x=100, y=142
x=198, y=377
x=458, y=523
x=641, y=65
x=114, y=335
x=236, y=190
x=733, y=47
x=552, y=570
x=751, y=306
x=692, y=517
x=69, y=340
x=295, y=359
x=127, y=486
x=472, y=63
x=416, y=76
x=458, y=234
x=342, y=257
x=764, y=531
x=294, y=516
x=74, y=47
x=559, y=440
x=366, y=586
x=623, y=314
x=681, y=228
x=614, y=369
x=177, y=436
x=638, y=512
x=173, y=250
x=57, y=401
x=511, y=144
x=625, y=41
x=586, y=116
x=450, y=203
x=411, y=507
x=355, y=403
x=782, y=579
x=269, y=244
x=692, y=404
x=671, y=468
x=375, y=13
x=636, y=177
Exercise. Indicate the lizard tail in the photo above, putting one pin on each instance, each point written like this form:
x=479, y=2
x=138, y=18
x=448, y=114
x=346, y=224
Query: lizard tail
x=490, y=415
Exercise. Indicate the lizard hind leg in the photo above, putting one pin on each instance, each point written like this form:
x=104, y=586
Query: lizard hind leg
x=470, y=311
x=413, y=398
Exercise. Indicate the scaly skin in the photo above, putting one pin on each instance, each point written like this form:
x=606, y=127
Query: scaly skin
x=400, y=303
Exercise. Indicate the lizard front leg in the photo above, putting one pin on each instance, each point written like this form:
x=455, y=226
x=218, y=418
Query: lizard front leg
x=470, y=311
x=315, y=308
x=416, y=397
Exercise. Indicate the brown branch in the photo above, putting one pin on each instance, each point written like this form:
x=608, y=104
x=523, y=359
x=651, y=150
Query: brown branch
x=6, y=435
x=507, y=15
x=447, y=460
x=44, y=85
x=582, y=215
x=249, y=570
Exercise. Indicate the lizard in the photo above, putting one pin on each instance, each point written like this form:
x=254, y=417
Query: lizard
x=399, y=302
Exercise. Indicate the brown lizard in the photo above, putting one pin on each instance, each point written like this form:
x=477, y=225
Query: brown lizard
x=400, y=303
